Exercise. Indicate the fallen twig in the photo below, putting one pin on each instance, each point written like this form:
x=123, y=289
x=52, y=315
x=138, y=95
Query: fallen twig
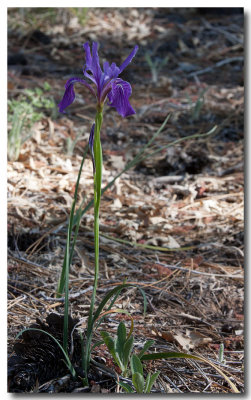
x=217, y=65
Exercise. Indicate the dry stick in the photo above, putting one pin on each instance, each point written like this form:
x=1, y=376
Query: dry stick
x=35, y=245
x=231, y=37
x=28, y=294
x=27, y=262
x=71, y=296
x=197, y=272
x=217, y=65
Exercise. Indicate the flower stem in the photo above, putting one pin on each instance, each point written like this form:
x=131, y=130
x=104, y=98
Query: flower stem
x=97, y=151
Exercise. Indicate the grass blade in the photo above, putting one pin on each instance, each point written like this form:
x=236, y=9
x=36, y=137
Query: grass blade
x=180, y=140
x=158, y=356
x=73, y=220
x=108, y=296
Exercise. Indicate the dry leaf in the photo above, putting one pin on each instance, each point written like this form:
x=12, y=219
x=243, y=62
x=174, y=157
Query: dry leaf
x=183, y=341
x=117, y=162
x=172, y=243
x=198, y=339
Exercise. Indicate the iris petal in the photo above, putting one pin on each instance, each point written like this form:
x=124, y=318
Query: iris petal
x=69, y=94
x=119, y=97
x=88, y=56
x=96, y=69
x=107, y=82
x=128, y=59
x=92, y=66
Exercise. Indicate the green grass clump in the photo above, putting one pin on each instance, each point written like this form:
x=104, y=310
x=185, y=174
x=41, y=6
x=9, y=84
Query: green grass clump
x=23, y=113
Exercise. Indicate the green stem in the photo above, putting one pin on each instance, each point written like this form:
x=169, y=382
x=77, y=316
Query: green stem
x=97, y=150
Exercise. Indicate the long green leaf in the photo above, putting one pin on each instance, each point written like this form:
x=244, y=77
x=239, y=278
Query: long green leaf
x=109, y=295
x=180, y=140
x=127, y=350
x=121, y=332
x=147, y=384
x=150, y=383
x=72, y=222
x=153, y=138
x=146, y=346
x=146, y=246
x=126, y=386
x=136, y=365
x=159, y=356
x=144, y=300
x=78, y=220
x=138, y=381
x=121, y=339
x=110, y=343
x=109, y=308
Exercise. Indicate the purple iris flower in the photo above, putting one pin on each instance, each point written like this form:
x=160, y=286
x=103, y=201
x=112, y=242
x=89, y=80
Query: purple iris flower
x=108, y=84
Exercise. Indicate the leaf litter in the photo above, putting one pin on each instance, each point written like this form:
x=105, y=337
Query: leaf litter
x=174, y=224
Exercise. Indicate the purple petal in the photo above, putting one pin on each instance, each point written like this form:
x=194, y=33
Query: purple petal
x=88, y=56
x=111, y=71
x=69, y=94
x=119, y=97
x=129, y=59
x=91, y=140
x=95, y=59
x=93, y=66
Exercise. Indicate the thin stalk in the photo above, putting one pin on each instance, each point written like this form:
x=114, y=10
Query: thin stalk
x=97, y=151
x=177, y=141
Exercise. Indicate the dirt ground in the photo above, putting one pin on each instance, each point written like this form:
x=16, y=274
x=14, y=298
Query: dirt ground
x=173, y=224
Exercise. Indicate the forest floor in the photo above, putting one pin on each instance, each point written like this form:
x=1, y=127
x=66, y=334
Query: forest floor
x=173, y=225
